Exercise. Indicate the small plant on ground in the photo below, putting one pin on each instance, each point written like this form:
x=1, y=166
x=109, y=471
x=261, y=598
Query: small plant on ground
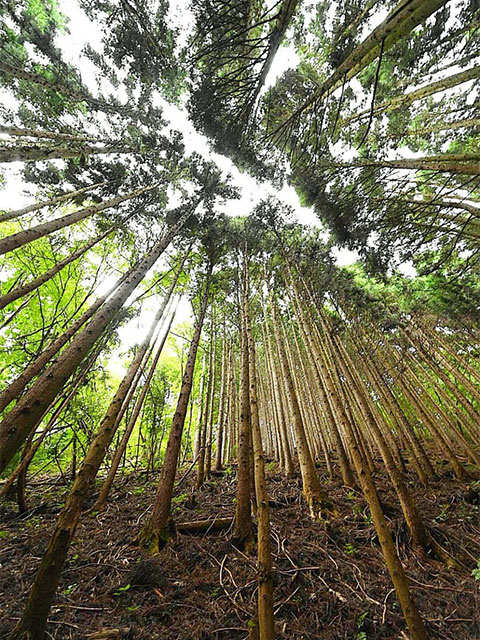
x=476, y=571
x=361, y=634
x=120, y=590
x=443, y=515
x=350, y=549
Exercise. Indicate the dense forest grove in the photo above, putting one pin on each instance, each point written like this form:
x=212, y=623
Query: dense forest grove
x=239, y=319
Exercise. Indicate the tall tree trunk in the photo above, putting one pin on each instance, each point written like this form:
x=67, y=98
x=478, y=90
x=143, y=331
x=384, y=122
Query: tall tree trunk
x=242, y=535
x=18, y=213
x=222, y=402
x=200, y=404
x=210, y=418
x=395, y=568
x=156, y=531
x=22, y=238
x=205, y=413
x=264, y=555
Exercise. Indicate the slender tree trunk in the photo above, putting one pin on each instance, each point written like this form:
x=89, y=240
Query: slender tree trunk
x=395, y=568
x=210, y=419
x=27, y=288
x=222, y=402
x=18, y=213
x=242, y=535
x=204, y=418
x=264, y=555
x=22, y=238
x=200, y=403
x=157, y=530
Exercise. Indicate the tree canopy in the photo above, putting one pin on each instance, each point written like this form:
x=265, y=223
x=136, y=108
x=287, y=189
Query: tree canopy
x=164, y=306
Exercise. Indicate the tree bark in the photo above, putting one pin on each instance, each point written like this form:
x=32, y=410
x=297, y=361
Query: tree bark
x=22, y=238
x=157, y=530
x=204, y=418
x=242, y=535
x=222, y=403
x=18, y=213
x=264, y=555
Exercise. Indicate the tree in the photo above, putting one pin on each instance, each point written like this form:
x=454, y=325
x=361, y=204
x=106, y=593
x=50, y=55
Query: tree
x=156, y=532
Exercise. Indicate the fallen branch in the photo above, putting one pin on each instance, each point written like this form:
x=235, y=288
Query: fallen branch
x=109, y=634
x=204, y=526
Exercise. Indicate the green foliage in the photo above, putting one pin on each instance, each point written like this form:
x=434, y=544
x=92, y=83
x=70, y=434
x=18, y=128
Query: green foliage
x=121, y=590
x=361, y=634
x=476, y=572
x=180, y=498
x=69, y=589
x=443, y=515
x=350, y=549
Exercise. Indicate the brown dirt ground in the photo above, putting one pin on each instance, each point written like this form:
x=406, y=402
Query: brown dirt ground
x=330, y=581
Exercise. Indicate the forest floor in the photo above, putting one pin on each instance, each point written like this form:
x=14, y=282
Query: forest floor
x=330, y=581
